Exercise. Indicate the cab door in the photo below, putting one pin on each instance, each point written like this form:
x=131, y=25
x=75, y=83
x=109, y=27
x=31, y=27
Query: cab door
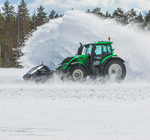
x=101, y=51
x=98, y=55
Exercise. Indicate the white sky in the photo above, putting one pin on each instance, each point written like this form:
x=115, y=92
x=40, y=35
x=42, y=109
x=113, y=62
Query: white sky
x=63, y=5
x=84, y=4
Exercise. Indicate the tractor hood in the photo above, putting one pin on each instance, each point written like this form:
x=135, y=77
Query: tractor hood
x=80, y=56
x=78, y=59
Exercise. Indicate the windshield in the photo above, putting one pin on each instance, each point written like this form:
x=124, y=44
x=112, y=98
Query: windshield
x=33, y=70
x=87, y=50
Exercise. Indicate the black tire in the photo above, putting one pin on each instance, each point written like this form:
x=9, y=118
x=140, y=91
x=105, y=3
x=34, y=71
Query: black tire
x=77, y=73
x=115, y=70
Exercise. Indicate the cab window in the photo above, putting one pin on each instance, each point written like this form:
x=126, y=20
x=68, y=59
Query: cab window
x=89, y=50
x=104, y=49
x=98, y=50
x=109, y=49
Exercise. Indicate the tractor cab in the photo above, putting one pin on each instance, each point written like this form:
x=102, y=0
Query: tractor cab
x=96, y=51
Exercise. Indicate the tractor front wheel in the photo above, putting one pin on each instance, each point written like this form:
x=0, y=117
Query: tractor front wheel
x=78, y=73
x=115, y=70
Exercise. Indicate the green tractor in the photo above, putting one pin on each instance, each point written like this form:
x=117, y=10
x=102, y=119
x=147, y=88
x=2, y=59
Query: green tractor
x=93, y=60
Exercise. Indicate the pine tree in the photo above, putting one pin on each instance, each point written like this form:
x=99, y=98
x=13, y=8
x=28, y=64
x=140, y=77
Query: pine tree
x=9, y=21
x=9, y=51
x=8, y=10
x=119, y=16
x=56, y=16
x=88, y=11
x=97, y=11
x=2, y=22
x=34, y=22
x=1, y=35
x=23, y=21
x=107, y=15
x=23, y=29
x=147, y=21
x=52, y=14
x=41, y=16
x=139, y=18
x=131, y=16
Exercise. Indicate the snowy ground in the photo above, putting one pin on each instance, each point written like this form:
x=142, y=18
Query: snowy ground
x=72, y=111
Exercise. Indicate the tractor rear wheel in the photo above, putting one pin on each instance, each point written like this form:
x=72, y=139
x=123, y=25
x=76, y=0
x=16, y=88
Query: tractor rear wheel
x=78, y=73
x=115, y=70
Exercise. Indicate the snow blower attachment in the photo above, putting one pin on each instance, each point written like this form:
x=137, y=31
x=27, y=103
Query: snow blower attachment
x=38, y=74
x=93, y=60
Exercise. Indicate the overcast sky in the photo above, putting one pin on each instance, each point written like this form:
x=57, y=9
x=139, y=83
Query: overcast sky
x=64, y=5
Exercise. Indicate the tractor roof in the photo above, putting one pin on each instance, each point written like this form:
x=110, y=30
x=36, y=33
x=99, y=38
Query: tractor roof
x=102, y=42
x=99, y=43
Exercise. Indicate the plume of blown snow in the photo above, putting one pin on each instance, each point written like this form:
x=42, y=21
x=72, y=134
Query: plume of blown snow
x=60, y=38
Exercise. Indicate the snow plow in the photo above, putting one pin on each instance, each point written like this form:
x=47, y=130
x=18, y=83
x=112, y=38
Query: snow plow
x=93, y=60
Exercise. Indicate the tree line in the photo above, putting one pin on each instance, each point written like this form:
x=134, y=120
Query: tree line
x=17, y=26
x=125, y=18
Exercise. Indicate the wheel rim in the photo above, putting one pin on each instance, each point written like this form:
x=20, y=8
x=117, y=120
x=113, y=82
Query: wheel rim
x=115, y=72
x=77, y=75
